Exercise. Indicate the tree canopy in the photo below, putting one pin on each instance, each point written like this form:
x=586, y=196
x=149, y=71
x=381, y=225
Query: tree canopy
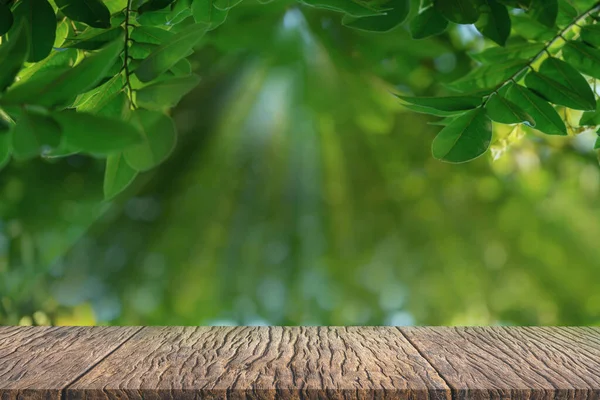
x=100, y=77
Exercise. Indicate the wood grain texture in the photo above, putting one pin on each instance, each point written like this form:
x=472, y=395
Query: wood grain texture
x=516, y=362
x=37, y=363
x=263, y=363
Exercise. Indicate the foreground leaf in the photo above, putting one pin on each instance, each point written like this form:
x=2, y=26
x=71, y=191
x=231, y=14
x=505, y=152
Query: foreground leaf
x=96, y=134
x=91, y=12
x=117, y=176
x=40, y=22
x=12, y=56
x=561, y=84
x=451, y=103
x=55, y=87
x=495, y=23
x=584, y=58
x=169, y=53
x=159, y=138
x=458, y=11
x=350, y=7
x=546, y=118
x=166, y=94
x=6, y=19
x=204, y=12
x=428, y=22
x=34, y=133
x=523, y=50
x=505, y=111
x=465, y=138
x=488, y=76
x=382, y=23
x=544, y=11
x=591, y=35
x=93, y=38
x=5, y=142
x=150, y=34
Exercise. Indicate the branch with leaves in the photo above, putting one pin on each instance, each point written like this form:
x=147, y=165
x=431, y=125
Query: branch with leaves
x=101, y=77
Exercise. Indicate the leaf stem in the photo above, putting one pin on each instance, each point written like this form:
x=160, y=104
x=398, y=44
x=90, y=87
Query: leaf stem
x=127, y=57
x=545, y=50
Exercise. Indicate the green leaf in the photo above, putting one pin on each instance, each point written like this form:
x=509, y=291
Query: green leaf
x=495, y=22
x=169, y=53
x=428, y=22
x=204, y=12
x=567, y=13
x=544, y=11
x=62, y=31
x=350, y=7
x=60, y=58
x=96, y=134
x=584, y=58
x=531, y=29
x=225, y=5
x=154, y=5
x=154, y=18
x=430, y=111
x=181, y=10
x=182, y=68
x=6, y=19
x=560, y=83
x=488, y=76
x=56, y=86
x=12, y=56
x=597, y=144
x=140, y=51
x=94, y=38
x=591, y=118
x=465, y=138
x=591, y=35
x=505, y=111
x=150, y=34
x=521, y=50
x=159, y=139
x=166, y=94
x=5, y=142
x=451, y=103
x=91, y=12
x=546, y=118
x=117, y=176
x=40, y=22
x=98, y=98
x=458, y=11
x=34, y=133
x=381, y=23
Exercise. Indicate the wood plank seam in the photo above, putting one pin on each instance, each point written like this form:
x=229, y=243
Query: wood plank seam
x=63, y=391
x=453, y=393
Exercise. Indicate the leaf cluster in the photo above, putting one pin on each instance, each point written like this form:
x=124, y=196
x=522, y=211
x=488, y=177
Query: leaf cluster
x=98, y=78
x=539, y=72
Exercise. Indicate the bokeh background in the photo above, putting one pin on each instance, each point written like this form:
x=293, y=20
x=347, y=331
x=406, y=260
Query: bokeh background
x=302, y=193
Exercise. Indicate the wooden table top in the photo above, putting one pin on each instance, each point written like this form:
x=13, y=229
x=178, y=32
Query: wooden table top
x=299, y=362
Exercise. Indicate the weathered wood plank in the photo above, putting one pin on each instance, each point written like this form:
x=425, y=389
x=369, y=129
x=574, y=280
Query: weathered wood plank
x=263, y=363
x=518, y=363
x=37, y=363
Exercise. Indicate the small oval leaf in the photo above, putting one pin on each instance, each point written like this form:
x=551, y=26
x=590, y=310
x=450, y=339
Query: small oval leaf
x=546, y=118
x=96, y=134
x=159, y=139
x=505, y=111
x=465, y=138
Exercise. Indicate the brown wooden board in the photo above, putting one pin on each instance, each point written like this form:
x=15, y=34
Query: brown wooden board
x=263, y=363
x=516, y=362
x=37, y=363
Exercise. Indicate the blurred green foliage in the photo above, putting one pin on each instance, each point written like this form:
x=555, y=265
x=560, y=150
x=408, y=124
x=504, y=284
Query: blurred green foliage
x=302, y=192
